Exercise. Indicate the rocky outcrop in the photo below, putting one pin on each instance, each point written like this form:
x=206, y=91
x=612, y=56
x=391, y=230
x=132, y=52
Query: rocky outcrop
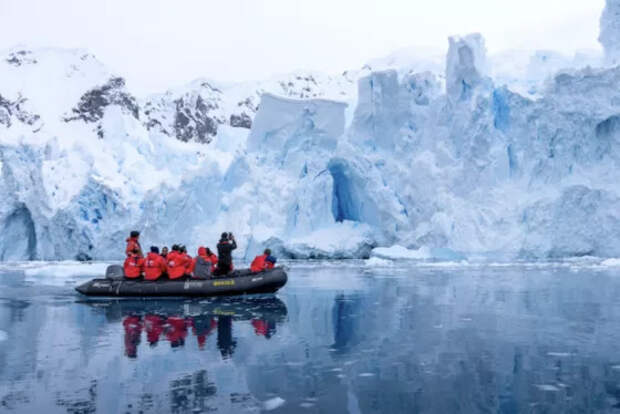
x=9, y=109
x=92, y=104
x=242, y=120
x=21, y=57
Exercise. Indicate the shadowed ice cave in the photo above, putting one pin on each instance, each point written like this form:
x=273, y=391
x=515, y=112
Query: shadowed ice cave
x=20, y=239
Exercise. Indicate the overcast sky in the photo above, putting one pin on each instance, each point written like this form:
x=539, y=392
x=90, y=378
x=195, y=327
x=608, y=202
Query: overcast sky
x=156, y=44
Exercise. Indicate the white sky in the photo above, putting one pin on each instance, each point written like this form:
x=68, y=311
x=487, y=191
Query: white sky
x=156, y=44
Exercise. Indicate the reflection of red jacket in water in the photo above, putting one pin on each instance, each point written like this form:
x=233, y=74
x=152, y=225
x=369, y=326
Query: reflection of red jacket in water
x=133, y=330
x=176, y=331
x=154, y=326
x=201, y=331
x=260, y=327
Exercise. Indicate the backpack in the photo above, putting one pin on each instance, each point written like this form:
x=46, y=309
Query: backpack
x=202, y=269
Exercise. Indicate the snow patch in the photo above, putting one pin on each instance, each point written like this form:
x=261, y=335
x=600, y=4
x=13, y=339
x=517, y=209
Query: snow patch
x=67, y=269
x=400, y=252
x=611, y=263
x=378, y=262
x=273, y=403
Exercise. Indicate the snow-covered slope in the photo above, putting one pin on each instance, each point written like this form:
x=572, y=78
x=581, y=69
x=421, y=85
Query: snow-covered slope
x=467, y=154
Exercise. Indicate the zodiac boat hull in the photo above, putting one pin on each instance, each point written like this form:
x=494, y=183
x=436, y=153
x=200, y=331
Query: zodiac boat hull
x=238, y=283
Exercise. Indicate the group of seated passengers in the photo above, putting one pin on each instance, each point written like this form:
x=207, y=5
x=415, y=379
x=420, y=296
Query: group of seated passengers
x=178, y=265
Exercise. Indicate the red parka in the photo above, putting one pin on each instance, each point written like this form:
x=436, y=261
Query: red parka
x=177, y=264
x=154, y=266
x=261, y=263
x=133, y=266
x=133, y=243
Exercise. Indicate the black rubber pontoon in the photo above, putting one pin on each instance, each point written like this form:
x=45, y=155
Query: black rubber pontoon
x=238, y=282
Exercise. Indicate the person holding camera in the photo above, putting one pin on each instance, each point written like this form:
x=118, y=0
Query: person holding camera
x=225, y=247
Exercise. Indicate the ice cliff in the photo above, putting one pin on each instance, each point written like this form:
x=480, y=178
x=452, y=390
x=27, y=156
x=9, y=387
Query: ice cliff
x=610, y=31
x=472, y=159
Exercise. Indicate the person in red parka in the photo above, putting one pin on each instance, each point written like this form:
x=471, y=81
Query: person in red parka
x=188, y=260
x=134, y=265
x=177, y=263
x=133, y=243
x=263, y=262
x=154, y=265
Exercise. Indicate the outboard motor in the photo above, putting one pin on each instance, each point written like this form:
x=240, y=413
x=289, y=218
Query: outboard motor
x=114, y=272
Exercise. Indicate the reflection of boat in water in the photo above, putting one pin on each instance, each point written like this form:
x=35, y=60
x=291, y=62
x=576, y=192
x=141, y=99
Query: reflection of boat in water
x=237, y=283
x=238, y=308
x=173, y=320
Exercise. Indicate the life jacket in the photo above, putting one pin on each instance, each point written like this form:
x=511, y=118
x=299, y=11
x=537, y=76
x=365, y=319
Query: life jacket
x=176, y=265
x=258, y=264
x=133, y=243
x=133, y=266
x=154, y=266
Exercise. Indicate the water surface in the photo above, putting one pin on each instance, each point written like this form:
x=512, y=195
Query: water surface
x=338, y=338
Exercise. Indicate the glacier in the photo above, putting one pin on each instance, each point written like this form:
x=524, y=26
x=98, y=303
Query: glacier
x=466, y=156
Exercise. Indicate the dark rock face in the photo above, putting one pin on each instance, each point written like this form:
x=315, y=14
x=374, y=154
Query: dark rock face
x=192, y=121
x=21, y=57
x=92, y=104
x=191, y=117
x=241, y=121
x=10, y=109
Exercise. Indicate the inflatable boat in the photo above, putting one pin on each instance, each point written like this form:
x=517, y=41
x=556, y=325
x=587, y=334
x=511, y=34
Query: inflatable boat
x=238, y=282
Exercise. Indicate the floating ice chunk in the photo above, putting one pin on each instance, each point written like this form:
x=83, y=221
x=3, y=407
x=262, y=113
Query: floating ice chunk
x=3, y=336
x=62, y=273
x=611, y=263
x=366, y=374
x=559, y=354
x=273, y=403
x=68, y=269
x=547, y=387
x=378, y=262
x=400, y=252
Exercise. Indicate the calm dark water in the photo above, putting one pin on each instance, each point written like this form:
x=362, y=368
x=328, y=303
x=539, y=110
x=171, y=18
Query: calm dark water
x=335, y=339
